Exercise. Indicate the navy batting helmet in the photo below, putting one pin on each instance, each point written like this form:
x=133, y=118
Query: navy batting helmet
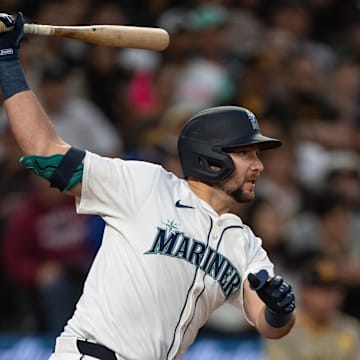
x=205, y=139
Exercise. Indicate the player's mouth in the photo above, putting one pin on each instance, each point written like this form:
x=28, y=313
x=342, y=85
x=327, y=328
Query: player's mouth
x=252, y=182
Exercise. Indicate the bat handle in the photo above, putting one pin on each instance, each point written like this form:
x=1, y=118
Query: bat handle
x=38, y=29
x=30, y=29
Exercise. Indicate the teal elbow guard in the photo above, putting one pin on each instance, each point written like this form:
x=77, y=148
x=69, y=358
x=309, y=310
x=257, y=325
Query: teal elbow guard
x=62, y=171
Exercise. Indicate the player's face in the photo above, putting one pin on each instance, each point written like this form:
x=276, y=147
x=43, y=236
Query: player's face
x=240, y=185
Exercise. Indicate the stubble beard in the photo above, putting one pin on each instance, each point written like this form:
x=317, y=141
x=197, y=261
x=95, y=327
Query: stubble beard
x=239, y=195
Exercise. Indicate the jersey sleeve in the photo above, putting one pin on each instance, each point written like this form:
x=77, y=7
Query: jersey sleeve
x=115, y=187
x=257, y=259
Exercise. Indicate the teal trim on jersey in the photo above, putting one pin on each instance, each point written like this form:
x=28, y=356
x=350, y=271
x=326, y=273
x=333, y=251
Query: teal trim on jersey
x=44, y=166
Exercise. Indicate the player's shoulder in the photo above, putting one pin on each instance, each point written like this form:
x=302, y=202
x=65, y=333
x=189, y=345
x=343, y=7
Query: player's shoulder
x=250, y=239
x=153, y=174
x=133, y=167
x=145, y=166
x=247, y=230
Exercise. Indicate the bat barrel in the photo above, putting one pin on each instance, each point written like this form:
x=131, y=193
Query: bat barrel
x=149, y=38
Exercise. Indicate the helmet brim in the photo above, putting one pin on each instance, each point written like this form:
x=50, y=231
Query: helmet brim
x=264, y=142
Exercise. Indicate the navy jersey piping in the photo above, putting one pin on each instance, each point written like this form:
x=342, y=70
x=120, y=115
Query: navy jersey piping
x=203, y=289
x=187, y=297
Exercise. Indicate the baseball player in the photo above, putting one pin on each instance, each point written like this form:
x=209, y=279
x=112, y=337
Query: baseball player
x=173, y=249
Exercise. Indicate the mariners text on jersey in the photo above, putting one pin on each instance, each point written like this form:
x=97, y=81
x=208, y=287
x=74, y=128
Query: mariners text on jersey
x=214, y=264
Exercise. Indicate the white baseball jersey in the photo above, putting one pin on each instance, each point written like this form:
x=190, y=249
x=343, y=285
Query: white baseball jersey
x=166, y=262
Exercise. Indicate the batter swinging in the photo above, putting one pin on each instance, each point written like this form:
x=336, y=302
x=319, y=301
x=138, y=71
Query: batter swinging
x=173, y=249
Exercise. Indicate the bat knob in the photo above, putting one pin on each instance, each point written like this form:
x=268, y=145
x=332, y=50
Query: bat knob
x=6, y=22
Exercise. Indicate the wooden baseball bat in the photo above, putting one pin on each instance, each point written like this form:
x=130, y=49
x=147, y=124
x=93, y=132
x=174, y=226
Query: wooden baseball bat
x=148, y=38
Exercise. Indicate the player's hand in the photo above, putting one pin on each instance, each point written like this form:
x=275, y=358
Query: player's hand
x=10, y=40
x=276, y=293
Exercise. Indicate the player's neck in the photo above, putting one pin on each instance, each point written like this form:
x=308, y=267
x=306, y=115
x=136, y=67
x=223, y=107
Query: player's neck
x=217, y=199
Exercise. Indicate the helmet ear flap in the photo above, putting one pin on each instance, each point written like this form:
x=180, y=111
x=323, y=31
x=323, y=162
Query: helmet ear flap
x=209, y=166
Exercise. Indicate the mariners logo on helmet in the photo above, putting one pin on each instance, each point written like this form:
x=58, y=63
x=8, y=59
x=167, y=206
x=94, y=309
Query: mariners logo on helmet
x=207, y=138
x=253, y=120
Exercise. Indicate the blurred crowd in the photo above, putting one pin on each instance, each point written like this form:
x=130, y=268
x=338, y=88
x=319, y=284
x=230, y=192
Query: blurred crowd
x=294, y=63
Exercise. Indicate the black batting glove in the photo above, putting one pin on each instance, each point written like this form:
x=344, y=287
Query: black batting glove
x=11, y=38
x=277, y=295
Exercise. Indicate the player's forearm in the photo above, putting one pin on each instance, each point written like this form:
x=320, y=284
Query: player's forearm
x=31, y=127
x=33, y=130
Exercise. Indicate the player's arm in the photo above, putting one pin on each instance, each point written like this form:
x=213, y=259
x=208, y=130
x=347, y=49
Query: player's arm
x=31, y=127
x=269, y=304
x=33, y=131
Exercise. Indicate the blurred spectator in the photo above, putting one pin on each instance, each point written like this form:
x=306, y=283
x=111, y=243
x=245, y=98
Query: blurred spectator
x=330, y=18
x=77, y=119
x=9, y=317
x=161, y=141
x=144, y=12
x=268, y=223
x=304, y=97
x=65, y=12
x=47, y=255
x=343, y=175
x=343, y=90
x=62, y=13
x=330, y=225
x=142, y=103
x=14, y=179
x=14, y=185
x=255, y=84
x=245, y=30
x=291, y=15
x=11, y=6
x=263, y=84
x=106, y=12
x=177, y=23
x=279, y=182
x=206, y=79
x=315, y=122
x=355, y=136
x=295, y=17
x=105, y=82
x=347, y=41
x=171, y=122
x=321, y=331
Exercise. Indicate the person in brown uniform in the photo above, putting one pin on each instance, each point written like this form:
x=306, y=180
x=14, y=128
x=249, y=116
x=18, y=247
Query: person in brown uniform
x=322, y=331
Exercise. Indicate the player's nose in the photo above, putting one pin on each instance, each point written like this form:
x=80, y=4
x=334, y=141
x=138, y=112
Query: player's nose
x=257, y=166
